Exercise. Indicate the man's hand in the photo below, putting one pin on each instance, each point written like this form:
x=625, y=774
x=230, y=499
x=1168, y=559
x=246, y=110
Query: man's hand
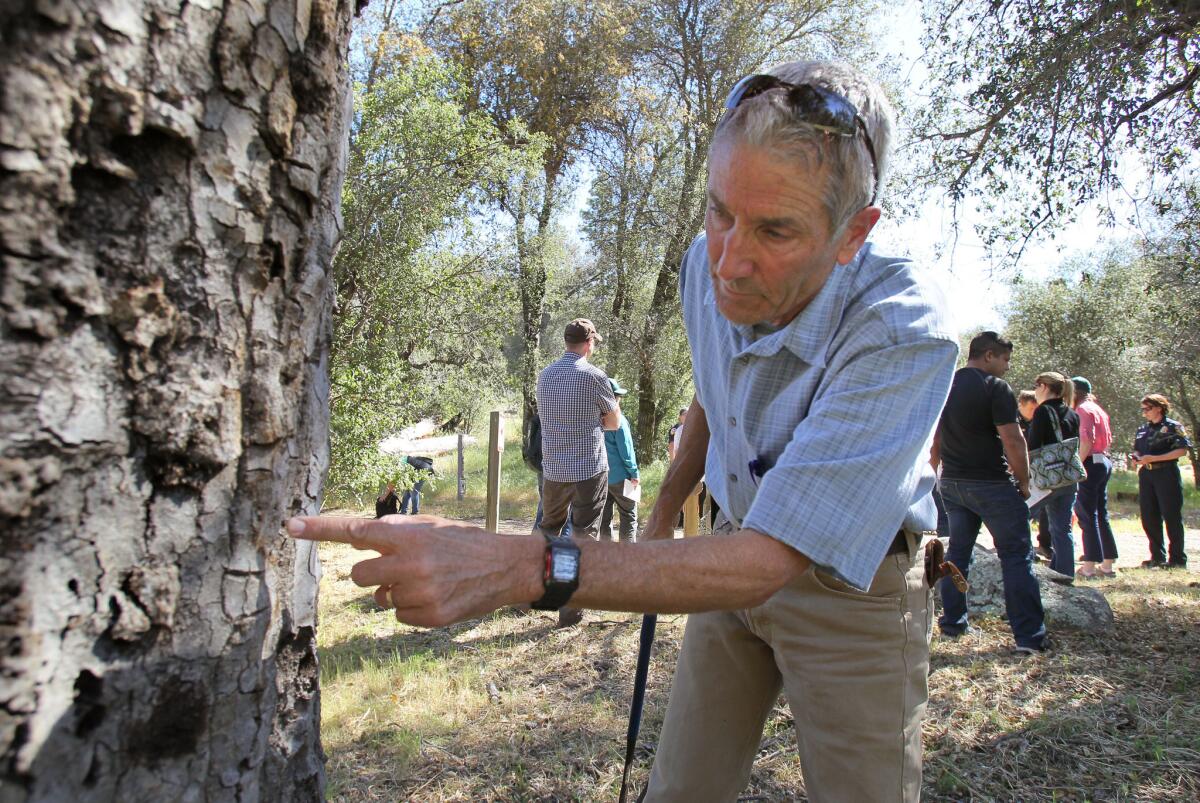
x=1016, y=454
x=1023, y=487
x=434, y=571
x=635, y=482
x=658, y=528
x=683, y=474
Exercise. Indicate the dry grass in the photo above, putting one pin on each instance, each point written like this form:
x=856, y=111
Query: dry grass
x=1108, y=716
x=509, y=708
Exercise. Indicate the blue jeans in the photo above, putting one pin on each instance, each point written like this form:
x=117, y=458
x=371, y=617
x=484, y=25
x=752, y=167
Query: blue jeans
x=415, y=496
x=1057, y=507
x=969, y=504
x=1091, y=506
x=943, y=522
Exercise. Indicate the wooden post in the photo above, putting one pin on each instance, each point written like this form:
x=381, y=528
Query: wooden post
x=691, y=513
x=495, y=448
x=462, y=479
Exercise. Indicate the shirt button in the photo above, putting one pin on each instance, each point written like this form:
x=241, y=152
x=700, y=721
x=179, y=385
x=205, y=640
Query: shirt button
x=732, y=421
x=733, y=477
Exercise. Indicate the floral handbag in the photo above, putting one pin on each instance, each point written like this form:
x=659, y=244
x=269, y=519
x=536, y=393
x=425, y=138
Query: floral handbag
x=1056, y=465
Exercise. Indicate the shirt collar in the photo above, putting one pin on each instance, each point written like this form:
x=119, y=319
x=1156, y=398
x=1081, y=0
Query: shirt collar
x=808, y=334
x=570, y=356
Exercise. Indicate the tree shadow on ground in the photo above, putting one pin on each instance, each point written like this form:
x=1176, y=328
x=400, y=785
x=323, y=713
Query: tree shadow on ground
x=353, y=653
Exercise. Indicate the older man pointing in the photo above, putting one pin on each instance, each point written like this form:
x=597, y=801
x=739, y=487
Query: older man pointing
x=821, y=366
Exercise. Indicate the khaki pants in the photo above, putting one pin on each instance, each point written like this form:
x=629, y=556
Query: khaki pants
x=618, y=503
x=584, y=500
x=854, y=667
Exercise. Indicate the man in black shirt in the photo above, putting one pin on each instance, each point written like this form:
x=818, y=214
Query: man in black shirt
x=985, y=480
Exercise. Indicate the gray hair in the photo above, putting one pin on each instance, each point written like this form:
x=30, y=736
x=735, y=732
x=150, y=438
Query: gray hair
x=766, y=121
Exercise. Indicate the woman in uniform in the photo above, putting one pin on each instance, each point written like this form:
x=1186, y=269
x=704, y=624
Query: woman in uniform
x=1159, y=444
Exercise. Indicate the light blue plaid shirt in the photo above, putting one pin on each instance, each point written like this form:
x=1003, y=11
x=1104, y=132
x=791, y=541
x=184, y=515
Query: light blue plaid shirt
x=820, y=431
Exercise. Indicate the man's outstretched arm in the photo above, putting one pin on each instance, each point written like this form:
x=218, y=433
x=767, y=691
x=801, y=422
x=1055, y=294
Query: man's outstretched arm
x=434, y=571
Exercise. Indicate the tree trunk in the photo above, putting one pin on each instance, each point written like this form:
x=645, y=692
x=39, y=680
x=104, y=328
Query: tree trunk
x=665, y=302
x=169, y=184
x=1193, y=422
x=532, y=265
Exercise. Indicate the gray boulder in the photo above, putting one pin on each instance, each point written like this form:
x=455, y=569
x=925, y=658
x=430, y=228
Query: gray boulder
x=1076, y=606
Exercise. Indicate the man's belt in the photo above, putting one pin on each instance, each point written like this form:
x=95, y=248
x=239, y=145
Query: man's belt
x=1160, y=464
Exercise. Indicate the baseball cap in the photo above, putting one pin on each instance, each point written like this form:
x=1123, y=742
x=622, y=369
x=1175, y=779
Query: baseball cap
x=581, y=330
x=616, y=387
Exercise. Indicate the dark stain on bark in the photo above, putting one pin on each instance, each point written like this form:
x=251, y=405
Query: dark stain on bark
x=168, y=469
x=178, y=718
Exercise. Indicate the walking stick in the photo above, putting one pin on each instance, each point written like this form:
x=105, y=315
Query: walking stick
x=645, y=642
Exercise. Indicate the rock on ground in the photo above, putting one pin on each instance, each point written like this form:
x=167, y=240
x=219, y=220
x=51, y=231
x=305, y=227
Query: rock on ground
x=1077, y=606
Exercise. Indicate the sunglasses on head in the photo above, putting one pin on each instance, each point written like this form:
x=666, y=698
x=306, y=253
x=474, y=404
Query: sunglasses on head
x=820, y=108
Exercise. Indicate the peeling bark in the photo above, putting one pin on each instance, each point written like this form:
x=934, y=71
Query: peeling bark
x=169, y=183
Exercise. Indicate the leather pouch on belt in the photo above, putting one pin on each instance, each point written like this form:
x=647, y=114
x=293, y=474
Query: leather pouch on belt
x=937, y=567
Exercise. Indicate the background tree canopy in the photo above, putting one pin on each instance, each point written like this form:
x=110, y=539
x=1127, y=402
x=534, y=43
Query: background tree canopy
x=1040, y=105
x=482, y=125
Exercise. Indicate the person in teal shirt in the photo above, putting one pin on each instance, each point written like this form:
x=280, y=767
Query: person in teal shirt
x=624, y=490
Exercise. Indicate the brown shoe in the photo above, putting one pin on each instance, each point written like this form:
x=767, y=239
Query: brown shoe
x=568, y=617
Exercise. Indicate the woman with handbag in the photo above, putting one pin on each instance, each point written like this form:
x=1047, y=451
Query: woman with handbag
x=1054, y=463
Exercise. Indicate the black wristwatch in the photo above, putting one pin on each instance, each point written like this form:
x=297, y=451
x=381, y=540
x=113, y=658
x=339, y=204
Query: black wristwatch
x=560, y=577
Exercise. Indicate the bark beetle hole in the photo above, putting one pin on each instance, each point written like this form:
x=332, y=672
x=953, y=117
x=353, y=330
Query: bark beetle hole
x=73, y=586
x=89, y=706
x=298, y=643
x=306, y=642
x=277, y=260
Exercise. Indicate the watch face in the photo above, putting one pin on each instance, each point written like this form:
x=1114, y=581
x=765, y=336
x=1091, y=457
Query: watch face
x=565, y=567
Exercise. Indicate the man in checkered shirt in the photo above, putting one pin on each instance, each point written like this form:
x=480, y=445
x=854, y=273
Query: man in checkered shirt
x=576, y=405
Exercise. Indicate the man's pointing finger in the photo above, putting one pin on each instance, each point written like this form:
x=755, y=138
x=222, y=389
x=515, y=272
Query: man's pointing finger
x=379, y=535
